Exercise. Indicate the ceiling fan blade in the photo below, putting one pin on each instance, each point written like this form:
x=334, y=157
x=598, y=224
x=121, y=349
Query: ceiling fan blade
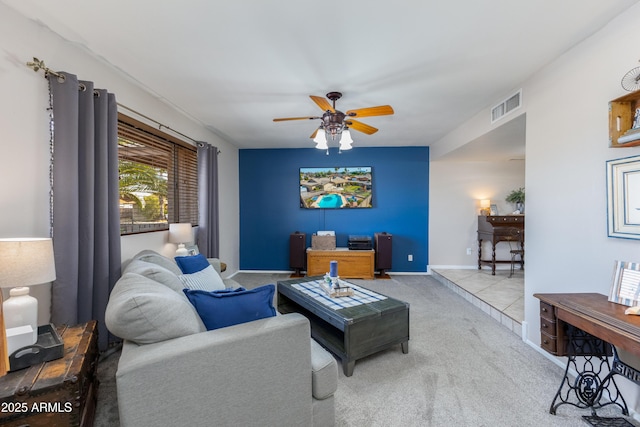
x=382, y=110
x=322, y=103
x=295, y=118
x=313, y=135
x=361, y=127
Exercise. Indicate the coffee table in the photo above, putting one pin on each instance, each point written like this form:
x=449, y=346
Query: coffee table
x=373, y=322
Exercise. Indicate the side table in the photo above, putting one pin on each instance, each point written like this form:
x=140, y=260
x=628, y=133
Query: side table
x=61, y=392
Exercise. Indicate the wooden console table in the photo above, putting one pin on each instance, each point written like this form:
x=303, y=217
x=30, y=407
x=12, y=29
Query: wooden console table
x=587, y=324
x=352, y=264
x=496, y=229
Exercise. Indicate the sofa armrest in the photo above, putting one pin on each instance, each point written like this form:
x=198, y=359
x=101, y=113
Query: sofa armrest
x=231, y=376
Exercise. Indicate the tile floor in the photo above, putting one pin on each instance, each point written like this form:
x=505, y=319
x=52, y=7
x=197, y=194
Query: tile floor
x=499, y=296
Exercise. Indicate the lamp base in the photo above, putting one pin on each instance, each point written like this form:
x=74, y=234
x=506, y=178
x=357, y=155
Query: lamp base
x=182, y=251
x=4, y=354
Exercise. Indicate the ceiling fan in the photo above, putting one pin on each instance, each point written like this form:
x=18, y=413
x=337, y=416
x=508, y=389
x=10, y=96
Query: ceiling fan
x=336, y=124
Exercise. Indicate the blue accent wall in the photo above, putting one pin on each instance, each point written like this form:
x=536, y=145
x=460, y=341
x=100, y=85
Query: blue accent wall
x=270, y=209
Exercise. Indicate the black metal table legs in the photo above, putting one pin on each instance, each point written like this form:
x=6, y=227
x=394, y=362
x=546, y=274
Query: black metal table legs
x=594, y=386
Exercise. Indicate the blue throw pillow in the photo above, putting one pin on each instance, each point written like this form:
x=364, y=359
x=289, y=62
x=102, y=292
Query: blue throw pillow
x=219, y=309
x=192, y=264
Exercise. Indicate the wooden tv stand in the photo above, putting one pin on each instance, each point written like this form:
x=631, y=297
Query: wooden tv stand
x=352, y=264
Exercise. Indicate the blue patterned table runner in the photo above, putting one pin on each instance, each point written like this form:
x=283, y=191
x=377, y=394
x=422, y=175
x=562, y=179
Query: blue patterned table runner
x=360, y=295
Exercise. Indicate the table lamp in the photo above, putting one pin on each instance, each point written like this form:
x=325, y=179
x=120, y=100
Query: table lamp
x=485, y=207
x=180, y=233
x=23, y=262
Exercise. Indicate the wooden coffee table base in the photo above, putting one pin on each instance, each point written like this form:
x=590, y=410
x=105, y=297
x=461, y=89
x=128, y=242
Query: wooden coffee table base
x=349, y=333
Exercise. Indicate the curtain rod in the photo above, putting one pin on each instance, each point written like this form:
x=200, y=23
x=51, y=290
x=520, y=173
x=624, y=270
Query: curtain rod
x=38, y=65
x=160, y=125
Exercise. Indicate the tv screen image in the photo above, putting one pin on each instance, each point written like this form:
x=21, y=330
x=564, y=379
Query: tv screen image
x=336, y=187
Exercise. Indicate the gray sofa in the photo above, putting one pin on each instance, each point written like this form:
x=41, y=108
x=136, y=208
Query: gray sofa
x=173, y=371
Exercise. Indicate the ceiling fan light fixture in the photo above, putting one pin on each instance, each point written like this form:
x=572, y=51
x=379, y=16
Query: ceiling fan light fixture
x=335, y=126
x=346, y=141
x=320, y=138
x=322, y=145
x=335, y=132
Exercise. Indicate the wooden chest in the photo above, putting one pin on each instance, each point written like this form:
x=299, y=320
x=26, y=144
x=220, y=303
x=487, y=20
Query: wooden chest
x=61, y=392
x=351, y=264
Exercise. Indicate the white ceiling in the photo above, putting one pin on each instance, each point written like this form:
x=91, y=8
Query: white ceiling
x=236, y=65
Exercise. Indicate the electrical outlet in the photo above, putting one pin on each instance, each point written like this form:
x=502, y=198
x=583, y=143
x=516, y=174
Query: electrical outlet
x=468, y=251
x=410, y=257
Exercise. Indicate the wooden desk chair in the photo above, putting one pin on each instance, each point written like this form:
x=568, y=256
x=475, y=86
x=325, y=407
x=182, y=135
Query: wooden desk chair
x=517, y=240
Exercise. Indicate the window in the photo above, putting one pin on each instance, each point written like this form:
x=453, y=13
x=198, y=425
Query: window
x=158, y=178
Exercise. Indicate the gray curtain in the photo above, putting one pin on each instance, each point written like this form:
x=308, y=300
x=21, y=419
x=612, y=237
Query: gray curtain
x=208, y=229
x=86, y=218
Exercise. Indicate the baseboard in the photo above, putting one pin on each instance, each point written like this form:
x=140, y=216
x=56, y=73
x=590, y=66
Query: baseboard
x=408, y=273
x=453, y=267
x=265, y=271
x=390, y=273
x=469, y=267
x=561, y=362
x=525, y=330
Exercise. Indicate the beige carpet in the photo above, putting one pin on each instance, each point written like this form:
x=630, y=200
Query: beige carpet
x=463, y=369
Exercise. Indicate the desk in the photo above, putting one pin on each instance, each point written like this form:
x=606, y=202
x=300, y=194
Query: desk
x=352, y=264
x=504, y=228
x=569, y=320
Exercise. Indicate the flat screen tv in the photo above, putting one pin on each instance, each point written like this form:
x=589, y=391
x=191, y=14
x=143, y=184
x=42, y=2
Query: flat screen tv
x=336, y=188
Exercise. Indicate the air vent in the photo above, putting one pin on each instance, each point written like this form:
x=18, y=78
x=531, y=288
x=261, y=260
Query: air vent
x=506, y=106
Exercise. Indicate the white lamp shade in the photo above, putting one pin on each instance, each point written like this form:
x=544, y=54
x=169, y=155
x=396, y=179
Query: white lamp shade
x=26, y=262
x=320, y=139
x=485, y=203
x=180, y=233
x=346, y=141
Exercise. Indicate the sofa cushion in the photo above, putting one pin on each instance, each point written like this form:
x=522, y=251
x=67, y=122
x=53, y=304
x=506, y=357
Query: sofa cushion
x=219, y=309
x=155, y=272
x=192, y=264
x=143, y=311
x=207, y=279
x=154, y=257
x=324, y=372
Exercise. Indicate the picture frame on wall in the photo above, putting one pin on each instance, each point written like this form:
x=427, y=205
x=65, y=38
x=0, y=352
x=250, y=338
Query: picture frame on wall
x=623, y=198
x=625, y=286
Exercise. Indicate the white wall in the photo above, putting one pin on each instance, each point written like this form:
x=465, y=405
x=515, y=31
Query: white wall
x=24, y=137
x=566, y=149
x=454, y=203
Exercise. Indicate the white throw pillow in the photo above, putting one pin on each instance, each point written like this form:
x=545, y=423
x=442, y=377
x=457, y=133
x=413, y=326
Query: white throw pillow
x=204, y=280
